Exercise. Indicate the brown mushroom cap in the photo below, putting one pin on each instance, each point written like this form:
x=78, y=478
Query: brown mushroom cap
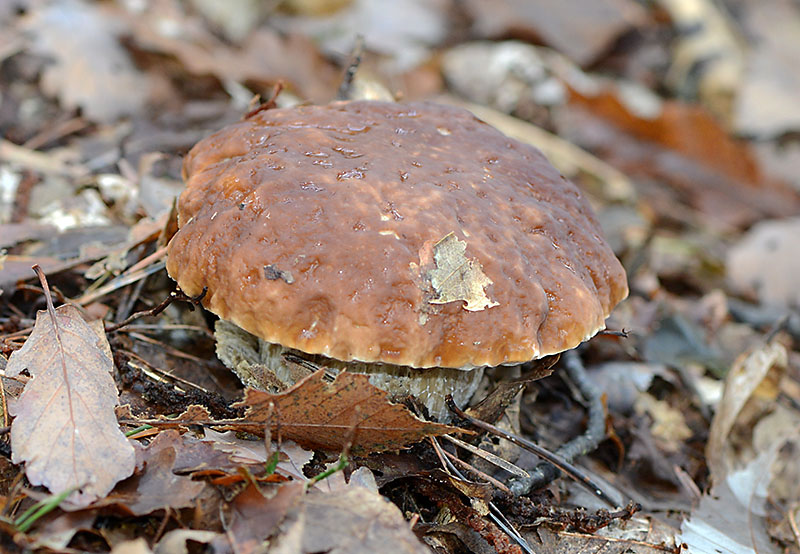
x=320, y=228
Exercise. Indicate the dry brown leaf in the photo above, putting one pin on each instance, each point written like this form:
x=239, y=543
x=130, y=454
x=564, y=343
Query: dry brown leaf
x=765, y=262
x=457, y=277
x=581, y=29
x=65, y=428
x=255, y=515
x=240, y=451
x=316, y=414
x=90, y=70
x=639, y=535
x=353, y=521
x=264, y=55
x=158, y=487
x=747, y=373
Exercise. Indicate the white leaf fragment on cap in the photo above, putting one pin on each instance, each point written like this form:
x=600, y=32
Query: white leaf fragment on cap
x=457, y=277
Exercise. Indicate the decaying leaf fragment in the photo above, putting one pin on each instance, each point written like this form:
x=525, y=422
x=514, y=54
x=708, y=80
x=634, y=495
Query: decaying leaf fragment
x=316, y=414
x=354, y=520
x=65, y=429
x=457, y=277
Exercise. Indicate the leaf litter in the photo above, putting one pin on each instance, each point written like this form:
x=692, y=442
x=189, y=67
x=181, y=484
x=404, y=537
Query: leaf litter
x=65, y=428
x=674, y=187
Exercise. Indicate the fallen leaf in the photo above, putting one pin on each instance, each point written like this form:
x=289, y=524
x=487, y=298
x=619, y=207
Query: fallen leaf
x=14, y=233
x=253, y=516
x=580, y=29
x=732, y=516
x=65, y=428
x=354, y=521
x=167, y=27
x=707, y=63
x=457, y=277
x=742, y=381
x=682, y=146
x=158, y=487
x=767, y=104
x=175, y=541
x=18, y=268
x=669, y=425
x=402, y=31
x=90, y=70
x=639, y=535
x=765, y=263
x=241, y=451
x=55, y=533
x=316, y=414
x=135, y=546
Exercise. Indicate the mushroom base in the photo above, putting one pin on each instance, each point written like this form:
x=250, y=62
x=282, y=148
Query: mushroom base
x=264, y=366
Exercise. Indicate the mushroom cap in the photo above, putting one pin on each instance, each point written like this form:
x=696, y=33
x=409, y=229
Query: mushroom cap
x=409, y=234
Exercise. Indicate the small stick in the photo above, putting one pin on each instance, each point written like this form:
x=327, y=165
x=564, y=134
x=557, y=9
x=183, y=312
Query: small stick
x=494, y=512
x=269, y=104
x=489, y=457
x=472, y=469
x=563, y=465
x=545, y=472
x=173, y=297
x=352, y=68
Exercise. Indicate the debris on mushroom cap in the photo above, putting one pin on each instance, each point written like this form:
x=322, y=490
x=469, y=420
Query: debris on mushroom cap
x=408, y=234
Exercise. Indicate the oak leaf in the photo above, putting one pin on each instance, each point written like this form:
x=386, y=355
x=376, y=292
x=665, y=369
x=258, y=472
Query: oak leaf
x=65, y=429
x=317, y=414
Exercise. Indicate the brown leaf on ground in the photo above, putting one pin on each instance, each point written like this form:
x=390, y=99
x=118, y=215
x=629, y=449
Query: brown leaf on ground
x=684, y=147
x=14, y=233
x=765, y=262
x=264, y=55
x=581, y=29
x=316, y=414
x=91, y=70
x=158, y=487
x=65, y=428
x=255, y=515
x=640, y=535
x=355, y=521
x=741, y=383
x=293, y=458
x=183, y=541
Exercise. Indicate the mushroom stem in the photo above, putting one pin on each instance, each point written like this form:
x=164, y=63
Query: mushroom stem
x=545, y=472
x=264, y=366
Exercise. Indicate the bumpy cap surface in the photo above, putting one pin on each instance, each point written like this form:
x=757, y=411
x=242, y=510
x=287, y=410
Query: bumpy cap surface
x=411, y=234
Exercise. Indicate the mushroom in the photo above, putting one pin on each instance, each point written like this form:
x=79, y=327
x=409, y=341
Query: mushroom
x=411, y=242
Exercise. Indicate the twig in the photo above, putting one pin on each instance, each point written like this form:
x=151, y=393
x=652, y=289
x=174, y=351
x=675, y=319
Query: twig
x=122, y=280
x=494, y=512
x=489, y=457
x=622, y=333
x=595, y=428
x=173, y=297
x=269, y=104
x=474, y=470
x=563, y=465
x=163, y=374
x=352, y=68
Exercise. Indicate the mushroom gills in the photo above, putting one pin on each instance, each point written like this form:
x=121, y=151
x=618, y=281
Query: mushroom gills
x=264, y=366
